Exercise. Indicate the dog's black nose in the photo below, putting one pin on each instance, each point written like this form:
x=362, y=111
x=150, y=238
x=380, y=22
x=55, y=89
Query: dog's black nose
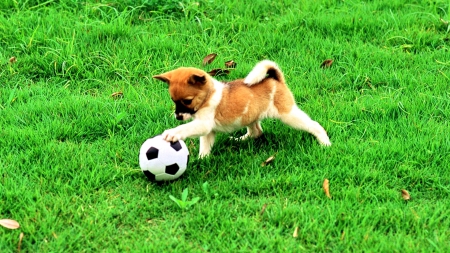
x=179, y=117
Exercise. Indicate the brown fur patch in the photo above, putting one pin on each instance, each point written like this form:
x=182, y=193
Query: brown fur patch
x=284, y=100
x=248, y=102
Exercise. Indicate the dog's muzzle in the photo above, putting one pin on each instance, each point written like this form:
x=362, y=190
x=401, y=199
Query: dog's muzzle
x=182, y=112
x=183, y=116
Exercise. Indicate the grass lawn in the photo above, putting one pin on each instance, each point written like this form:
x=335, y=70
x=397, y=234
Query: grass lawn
x=69, y=172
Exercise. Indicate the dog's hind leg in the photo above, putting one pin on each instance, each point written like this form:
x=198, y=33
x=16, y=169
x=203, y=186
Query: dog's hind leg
x=254, y=130
x=298, y=119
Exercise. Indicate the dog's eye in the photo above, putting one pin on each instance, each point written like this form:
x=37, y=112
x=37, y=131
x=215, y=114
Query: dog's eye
x=187, y=101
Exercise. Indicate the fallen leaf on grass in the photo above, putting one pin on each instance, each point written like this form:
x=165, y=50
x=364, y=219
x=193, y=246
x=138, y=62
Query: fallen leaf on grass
x=11, y=224
x=295, y=234
x=268, y=160
x=12, y=60
x=326, y=187
x=117, y=94
x=326, y=64
x=405, y=195
x=219, y=72
x=209, y=58
x=20, y=242
x=263, y=209
x=230, y=64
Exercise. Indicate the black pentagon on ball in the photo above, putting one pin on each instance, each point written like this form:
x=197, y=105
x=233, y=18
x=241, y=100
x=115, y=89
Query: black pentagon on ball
x=152, y=153
x=176, y=145
x=172, y=169
x=149, y=175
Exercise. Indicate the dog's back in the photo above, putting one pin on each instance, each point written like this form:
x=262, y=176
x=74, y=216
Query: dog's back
x=261, y=94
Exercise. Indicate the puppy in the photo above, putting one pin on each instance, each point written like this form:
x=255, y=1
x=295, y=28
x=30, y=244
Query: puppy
x=225, y=107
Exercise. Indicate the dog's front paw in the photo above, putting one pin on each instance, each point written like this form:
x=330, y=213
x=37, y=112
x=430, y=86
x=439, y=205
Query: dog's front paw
x=203, y=155
x=171, y=135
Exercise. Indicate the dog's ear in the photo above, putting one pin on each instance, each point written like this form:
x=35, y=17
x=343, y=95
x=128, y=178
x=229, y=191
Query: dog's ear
x=197, y=80
x=163, y=77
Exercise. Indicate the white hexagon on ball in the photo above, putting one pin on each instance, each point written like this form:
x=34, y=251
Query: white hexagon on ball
x=161, y=160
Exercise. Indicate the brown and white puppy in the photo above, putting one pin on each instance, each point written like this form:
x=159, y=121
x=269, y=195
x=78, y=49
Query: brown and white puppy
x=225, y=107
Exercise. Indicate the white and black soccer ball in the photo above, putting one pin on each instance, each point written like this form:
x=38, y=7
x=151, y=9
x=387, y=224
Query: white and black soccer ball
x=161, y=160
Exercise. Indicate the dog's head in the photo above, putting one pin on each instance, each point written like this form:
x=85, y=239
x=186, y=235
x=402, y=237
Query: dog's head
x=188, y=88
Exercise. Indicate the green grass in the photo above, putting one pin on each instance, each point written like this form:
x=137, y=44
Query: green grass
x=69, y=172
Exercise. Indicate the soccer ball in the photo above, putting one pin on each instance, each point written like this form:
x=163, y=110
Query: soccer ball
x=161, y=160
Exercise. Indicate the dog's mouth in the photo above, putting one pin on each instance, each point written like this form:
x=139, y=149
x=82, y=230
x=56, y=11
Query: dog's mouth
x=183, y=112
x=183, y=116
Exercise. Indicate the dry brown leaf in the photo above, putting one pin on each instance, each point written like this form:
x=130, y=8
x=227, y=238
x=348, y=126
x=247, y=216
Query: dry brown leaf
x=268, y=160
x=326, y=187
x=326, y=64
x=230, y=64
x=117, y=94
x=219, y=72
x=20, y=242
x=209, y=58
x=12, y=60
x=295, y=234
x=405, y=195
x=263, y=209
x=11, y=224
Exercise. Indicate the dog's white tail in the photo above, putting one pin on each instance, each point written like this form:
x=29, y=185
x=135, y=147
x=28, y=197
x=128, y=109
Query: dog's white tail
x=264, y=69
